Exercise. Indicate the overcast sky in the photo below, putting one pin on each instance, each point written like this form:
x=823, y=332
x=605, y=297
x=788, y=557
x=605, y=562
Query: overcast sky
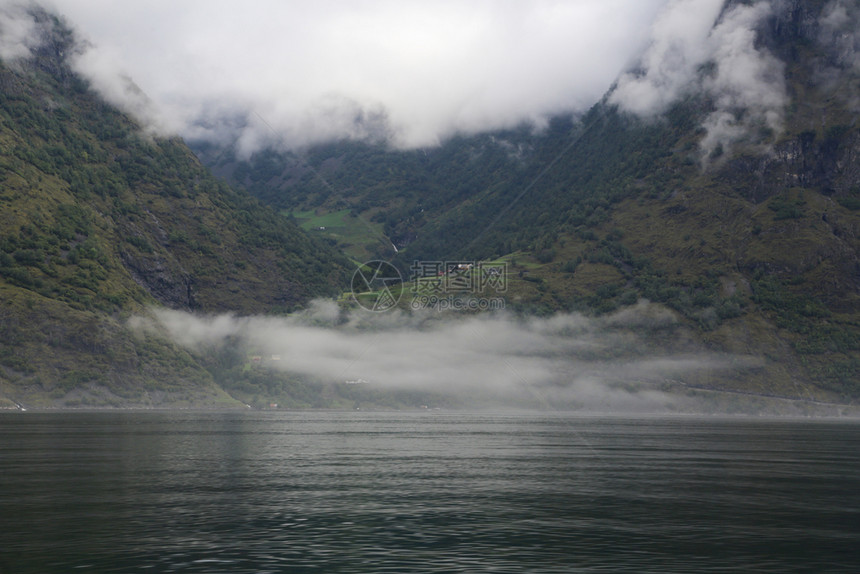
x=414, y=71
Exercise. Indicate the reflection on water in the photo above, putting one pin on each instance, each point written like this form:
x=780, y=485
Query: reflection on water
x=425, y=492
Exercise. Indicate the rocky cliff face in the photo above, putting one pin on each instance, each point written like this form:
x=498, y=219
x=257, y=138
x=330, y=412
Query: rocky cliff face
x=821, y=147
x=818, y=152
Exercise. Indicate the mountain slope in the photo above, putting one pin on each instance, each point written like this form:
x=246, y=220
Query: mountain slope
x=99, y=220
x=748, y=231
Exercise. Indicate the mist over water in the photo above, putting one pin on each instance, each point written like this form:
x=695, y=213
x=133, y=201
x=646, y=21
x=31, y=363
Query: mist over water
x=616, y=362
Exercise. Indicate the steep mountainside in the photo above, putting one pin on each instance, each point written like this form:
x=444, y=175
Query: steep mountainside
x=746, y=227
x=389, y=195
x=98, y=221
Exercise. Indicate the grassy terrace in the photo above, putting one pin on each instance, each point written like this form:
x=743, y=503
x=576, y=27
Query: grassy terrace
x=355, y=236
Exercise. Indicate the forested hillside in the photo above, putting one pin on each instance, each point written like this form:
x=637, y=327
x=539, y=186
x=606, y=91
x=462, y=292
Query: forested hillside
x=753, y=240
x=99, y=220
x=735, y=211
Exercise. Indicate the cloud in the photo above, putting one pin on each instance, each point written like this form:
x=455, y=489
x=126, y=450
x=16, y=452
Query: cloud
x=667, y=70
x=748, y=84
x=19, y=32
x=105, y=73
x=837, y=34
x=24, y=28
x=745, y=82
x=410, y=72
x=413, y=73
x=838, y=31
x=567, y=358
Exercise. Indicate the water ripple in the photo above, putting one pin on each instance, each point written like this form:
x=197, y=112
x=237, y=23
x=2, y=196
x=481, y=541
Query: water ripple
x=342, y=492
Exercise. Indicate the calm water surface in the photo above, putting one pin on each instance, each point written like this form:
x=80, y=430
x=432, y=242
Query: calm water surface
x=425, y=492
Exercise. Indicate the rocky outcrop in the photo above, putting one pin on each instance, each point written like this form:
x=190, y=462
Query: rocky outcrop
x=164, y=280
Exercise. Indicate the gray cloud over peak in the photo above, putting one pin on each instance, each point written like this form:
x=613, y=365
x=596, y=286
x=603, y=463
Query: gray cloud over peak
x=412, y=72
x=746, y=83
x=667, y=69
x=119, y=89
x=18, y=32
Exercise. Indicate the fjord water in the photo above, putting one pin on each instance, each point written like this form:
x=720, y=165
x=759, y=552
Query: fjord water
x=426, y=492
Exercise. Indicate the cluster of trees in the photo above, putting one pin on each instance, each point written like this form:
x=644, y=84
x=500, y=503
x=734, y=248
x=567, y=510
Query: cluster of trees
x=84, y=190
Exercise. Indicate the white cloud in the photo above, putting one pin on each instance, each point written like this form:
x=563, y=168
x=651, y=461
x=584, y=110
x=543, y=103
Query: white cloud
x=106, y=74
x=414, y=72
x=19, y=32
x=668, y=68
x=746, y=83
x=571, y=358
